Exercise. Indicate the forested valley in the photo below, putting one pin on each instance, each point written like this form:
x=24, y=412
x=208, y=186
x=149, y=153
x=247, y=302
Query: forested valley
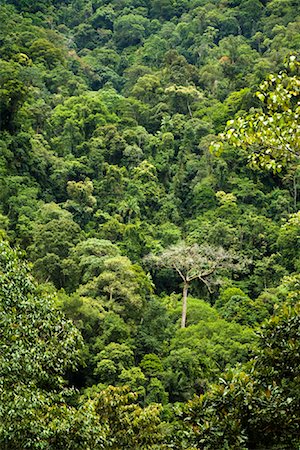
x=149, y=224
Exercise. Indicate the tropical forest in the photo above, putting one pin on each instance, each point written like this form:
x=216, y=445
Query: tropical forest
x=149, y=224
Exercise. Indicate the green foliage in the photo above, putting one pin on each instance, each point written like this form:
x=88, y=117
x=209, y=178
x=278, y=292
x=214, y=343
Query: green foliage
x=54, y=234
x=107, y=113
x=31, y=351
x=279, y=342
x=207, y=348
x=156, y=329
x=271, y=134
x=288, y=241
x=198, y=310
x=112, y=360
x=259, y=407
x=122, y=286
x=14, y=82
x=234, y=305
x=38, y=345
x=86, y=259
x=130, y=29
x=129, y=425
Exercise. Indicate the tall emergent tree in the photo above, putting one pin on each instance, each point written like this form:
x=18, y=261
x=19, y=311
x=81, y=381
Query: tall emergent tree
x=194, y=262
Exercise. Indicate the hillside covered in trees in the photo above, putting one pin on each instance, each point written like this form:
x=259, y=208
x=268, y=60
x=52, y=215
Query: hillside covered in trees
x=149, y=224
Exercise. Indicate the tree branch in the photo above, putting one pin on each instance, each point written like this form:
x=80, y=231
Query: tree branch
x=206, y=284
x=180, y=273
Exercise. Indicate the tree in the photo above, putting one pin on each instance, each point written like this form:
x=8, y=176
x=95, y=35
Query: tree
x=31, y=6
x=270, y=134
x=38, y=345
x=86, y=260
x=121, y=287
x=54, y=235
x=42, y=50
x=14, y=89
x=194, y=262
x=130, y=29
x=288, y=242
x=76, y=120
x=129, y=425
x=111, y=361
x=183, y=97
x=257, y=405
x=81, y=202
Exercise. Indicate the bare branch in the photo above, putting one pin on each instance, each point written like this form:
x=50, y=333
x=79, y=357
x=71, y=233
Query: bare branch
x=180, y=273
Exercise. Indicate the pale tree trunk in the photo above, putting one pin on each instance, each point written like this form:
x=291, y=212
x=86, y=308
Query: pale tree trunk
x=184, y=303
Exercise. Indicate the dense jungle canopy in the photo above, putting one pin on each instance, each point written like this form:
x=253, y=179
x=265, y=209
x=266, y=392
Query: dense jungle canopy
x=149, y=224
